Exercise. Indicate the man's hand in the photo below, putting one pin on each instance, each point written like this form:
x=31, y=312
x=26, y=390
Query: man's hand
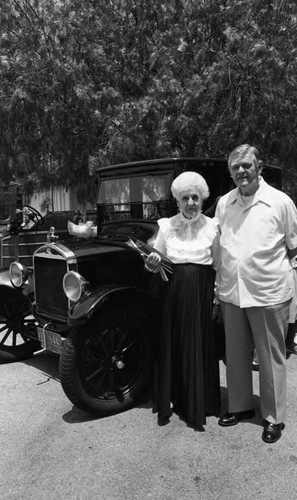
x=292, y=253
x=217, y=313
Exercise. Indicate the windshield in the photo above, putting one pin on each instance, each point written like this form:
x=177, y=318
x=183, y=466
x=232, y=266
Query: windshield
x=141, y=197
x=8, y=197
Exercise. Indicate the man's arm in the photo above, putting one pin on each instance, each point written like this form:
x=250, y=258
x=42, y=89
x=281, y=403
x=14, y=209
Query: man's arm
x=290, y=226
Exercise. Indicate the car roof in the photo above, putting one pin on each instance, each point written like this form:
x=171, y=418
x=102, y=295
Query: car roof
x=163, y=164
x=160, y=162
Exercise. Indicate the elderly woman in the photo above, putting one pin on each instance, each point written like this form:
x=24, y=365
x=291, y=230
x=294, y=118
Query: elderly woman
x=188, y=377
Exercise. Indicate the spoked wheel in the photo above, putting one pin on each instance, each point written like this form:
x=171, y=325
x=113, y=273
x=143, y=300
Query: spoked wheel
x=104, y=370
x=16, y=327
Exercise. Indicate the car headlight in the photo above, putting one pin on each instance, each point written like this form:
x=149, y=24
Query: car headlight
x=18, y=274
x=74, y=285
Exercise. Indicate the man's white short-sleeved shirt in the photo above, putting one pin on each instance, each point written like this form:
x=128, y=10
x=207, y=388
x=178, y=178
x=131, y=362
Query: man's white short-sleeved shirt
x=255, y=234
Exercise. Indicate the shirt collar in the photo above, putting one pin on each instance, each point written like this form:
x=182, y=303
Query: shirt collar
x=263, y=194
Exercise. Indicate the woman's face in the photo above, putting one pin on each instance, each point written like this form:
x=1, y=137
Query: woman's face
x=190, y=203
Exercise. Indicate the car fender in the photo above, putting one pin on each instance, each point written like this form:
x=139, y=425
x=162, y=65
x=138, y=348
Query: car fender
x=26, y=289
x=7, y=286
x=84, y=309
x=5, y=278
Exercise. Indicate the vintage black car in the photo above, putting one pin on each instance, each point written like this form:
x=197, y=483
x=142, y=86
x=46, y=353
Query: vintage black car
x=91, y=298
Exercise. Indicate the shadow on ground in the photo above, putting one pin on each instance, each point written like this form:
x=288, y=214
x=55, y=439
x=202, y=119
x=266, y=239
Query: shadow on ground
x=47, y=362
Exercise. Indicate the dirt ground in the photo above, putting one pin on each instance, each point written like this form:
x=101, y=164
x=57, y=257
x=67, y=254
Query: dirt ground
x=51, y=450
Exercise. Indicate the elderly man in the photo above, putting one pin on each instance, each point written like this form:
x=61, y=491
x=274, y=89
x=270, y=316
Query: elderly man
x=258, y=226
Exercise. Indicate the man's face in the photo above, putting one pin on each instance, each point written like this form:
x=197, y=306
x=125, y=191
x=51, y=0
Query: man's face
x=245, y=169
x=190, y=203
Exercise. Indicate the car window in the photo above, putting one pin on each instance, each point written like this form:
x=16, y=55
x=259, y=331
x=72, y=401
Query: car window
x=135, y=196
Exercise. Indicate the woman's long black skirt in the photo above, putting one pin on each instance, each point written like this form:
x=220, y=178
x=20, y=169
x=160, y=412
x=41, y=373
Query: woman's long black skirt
x=188, y=365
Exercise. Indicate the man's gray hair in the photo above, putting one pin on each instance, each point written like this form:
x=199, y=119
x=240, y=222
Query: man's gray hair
x=242, y=149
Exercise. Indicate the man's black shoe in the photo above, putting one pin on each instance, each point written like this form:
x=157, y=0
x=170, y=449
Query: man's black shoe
x=272, y=432
x=163, y=421
x=234, y=418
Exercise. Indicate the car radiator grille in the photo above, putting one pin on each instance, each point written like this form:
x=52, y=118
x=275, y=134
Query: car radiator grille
x=50, y=300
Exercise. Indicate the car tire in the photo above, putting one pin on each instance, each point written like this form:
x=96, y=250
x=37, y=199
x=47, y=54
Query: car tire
x=106, y=365
x=17, y=327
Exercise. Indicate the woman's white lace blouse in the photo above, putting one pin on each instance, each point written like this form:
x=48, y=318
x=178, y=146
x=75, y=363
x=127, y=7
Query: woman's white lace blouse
x=188, y=240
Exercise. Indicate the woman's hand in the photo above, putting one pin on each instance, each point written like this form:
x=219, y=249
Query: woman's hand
x=152, y=262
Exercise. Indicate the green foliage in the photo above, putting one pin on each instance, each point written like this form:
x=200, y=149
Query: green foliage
x=89, y=83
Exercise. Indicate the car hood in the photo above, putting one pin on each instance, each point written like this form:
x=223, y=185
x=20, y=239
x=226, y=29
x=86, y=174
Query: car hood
x=111, y=239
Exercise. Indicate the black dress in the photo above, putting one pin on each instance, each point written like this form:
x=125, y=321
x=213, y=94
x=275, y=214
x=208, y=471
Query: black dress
x=188, y=371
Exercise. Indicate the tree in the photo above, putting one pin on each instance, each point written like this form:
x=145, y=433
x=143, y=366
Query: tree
x=90, y=83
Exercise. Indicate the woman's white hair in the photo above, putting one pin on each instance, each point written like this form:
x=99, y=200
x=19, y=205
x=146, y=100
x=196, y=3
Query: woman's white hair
x=188, y=180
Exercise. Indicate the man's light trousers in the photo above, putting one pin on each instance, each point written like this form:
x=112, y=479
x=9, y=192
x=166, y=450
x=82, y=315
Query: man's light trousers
x=264, y=328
